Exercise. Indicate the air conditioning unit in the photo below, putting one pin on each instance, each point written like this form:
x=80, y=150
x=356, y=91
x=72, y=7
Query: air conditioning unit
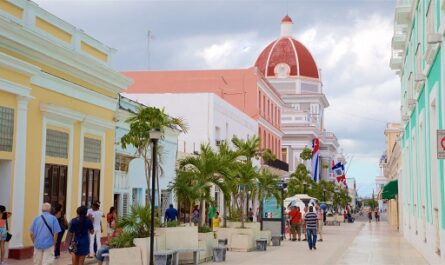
x=433, y=38
x=405, y=118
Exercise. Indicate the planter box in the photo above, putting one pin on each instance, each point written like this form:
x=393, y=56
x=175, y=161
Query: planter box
x=123, y=256
x=224, y=233
x=144, y=245
x=207, y=242
x=255, y=226
x=181, y=237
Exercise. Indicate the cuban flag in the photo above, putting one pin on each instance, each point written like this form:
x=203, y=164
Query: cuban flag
x=339, y=172
x=315, y=155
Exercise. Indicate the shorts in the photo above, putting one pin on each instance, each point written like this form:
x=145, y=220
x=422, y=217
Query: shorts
x=3, y=233
x=101, y=251
x=296, y=228
x=110, y=230
x=320, y=226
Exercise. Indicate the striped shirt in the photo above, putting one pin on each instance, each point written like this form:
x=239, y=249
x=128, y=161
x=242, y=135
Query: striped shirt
x=311, y=220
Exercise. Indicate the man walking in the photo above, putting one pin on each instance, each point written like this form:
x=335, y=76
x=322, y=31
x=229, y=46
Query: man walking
x=320, y=221
x=310, y=219
x=43, y=232
x=171, y=214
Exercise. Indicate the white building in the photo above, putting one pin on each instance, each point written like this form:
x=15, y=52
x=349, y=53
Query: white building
x=210, y=120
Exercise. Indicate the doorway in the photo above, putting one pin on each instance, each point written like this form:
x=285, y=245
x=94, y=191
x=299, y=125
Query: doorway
x=5, y=182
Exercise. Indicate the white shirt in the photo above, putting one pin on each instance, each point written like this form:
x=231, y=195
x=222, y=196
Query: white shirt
x=97, y=216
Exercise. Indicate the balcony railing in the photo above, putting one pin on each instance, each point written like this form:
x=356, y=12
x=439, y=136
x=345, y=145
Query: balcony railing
x=403, y=11
x=278, y=164
x=396, y=60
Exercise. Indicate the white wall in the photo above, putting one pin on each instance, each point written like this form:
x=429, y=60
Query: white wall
x=5, y=183
x=202, y=112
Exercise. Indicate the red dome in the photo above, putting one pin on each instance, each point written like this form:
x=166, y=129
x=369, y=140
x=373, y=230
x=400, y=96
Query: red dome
x=286, y=19
x=288, y=51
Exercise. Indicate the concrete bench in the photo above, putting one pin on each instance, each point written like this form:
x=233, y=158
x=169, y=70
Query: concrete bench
x=166, y=257
x=219, y=254
x=276, y=240
x=195, y=252
x=332, y=223
x=261, y=244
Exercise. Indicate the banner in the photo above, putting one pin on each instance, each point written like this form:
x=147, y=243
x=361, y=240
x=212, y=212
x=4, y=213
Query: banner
x=315, y=155
x=271, y=208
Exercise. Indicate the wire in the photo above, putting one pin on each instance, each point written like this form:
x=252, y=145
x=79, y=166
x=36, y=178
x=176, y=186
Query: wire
x=359, y=116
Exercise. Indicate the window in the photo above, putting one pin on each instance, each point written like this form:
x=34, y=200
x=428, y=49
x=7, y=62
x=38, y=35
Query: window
x=122, y=162
x=55, y=184
x=6, y=129
x=284, y=154
x=90, y=186
x=91, y=150
x=56, y=143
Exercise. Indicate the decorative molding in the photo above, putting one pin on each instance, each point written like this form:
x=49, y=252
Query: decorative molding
x=14, y=88
x=67, y=115
x=69, y=89
x=28, y=42
x=18, y=65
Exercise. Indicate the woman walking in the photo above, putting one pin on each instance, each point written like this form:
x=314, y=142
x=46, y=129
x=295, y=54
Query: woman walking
x=370, y=215
x=78, y=239
x=111, y=222
x=3, y=231
x=63, y=223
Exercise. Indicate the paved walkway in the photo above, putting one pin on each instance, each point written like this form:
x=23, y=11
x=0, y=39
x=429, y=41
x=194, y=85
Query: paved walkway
x=360, y=243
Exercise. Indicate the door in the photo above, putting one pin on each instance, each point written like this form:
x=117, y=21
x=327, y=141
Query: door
x=55, y=184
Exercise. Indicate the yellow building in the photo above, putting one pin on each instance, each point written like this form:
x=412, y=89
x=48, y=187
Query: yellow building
x=392, y=168
x=58, y=96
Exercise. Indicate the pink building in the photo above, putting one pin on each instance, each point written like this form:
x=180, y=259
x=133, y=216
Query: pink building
x=246, y=89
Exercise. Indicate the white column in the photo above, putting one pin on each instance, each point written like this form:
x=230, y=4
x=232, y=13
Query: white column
x=18, y=201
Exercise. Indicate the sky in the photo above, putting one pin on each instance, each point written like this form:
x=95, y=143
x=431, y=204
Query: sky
x=349, y=39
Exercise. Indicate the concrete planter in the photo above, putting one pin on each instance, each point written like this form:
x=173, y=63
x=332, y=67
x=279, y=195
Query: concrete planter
x=144, y=245
x=265, y=234
x=181, y=237
x=243, y=239
x=255, y=226
x=123, y=256
x=207, y=242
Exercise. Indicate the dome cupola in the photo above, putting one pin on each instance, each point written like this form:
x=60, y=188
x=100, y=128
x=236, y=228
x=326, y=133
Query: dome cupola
x=287, y=57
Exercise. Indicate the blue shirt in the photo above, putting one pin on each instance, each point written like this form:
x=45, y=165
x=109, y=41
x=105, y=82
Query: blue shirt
x=43, y=238
x=171, y=214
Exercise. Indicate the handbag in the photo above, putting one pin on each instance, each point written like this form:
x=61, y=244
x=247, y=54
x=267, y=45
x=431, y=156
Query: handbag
x=72, y=245
x=8, y=235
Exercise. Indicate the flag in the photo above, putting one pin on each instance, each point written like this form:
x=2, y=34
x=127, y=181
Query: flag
x=315, y=154
x=339, y=173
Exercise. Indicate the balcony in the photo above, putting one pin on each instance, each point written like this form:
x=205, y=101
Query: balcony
x=278, y=164
x=400, y=37
x=396, y=60
x=403, y=14
x=120, y=180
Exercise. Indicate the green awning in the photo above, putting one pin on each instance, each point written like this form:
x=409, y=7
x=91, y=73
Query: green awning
x=390, y=190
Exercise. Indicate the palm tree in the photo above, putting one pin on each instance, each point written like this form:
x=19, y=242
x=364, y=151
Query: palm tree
x=189, y=189
x=207, y=168
x=300, y=179
x=267, y=186
x=145, y=120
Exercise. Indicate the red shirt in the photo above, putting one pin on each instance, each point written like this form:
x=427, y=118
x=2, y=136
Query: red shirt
x=295, y=216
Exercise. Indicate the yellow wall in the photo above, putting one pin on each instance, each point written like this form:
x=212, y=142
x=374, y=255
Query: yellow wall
x=93, y=51
x=11, y=9
x=61, y=74
x=53, y=30
x=35, y=145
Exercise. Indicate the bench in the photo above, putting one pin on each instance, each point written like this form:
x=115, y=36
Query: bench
x=276, y=240
x=261, y=244
x=166, y=257
x=186, y=250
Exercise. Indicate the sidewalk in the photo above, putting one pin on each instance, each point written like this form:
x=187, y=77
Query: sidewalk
x=379, y=243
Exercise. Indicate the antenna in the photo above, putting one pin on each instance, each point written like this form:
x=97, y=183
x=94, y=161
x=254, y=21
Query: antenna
x=148, y=48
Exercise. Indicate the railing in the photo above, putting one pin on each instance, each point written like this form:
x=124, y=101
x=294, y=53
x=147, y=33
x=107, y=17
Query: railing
x=120, y=180
x=278, y=164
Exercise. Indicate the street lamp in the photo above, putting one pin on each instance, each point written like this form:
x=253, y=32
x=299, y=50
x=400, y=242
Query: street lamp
x=155, y=135
x=304, y=186
x=283, y=186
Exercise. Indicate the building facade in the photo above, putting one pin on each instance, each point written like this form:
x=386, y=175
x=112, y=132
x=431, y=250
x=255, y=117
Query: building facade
x=392, y=168
x=210, y=120
x=418, y=57
x=58, y=95
x=130, y=184
x=289, y=66
x=245, y=89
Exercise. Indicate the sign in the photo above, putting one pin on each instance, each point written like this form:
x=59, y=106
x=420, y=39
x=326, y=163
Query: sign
x=271, y=208
x=440, y=144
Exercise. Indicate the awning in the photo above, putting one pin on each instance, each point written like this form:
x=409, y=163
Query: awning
x=390, y=190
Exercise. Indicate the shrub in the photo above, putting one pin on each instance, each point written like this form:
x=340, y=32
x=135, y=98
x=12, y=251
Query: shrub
x=172, y=223
x=204, y=229
x=124, y=240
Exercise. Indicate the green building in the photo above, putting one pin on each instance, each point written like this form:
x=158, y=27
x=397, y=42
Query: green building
x=418, y=57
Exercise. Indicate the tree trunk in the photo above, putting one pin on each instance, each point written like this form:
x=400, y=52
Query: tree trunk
x=190, y=214
x=148, y=178
x=242, y=209
x=202, y=218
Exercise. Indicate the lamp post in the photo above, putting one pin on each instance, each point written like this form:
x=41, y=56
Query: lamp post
x=283, y=186
x=304, y=186
x=155, y=135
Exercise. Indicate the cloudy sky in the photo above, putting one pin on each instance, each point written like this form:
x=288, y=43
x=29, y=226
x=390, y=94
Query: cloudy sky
x=349, y=39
